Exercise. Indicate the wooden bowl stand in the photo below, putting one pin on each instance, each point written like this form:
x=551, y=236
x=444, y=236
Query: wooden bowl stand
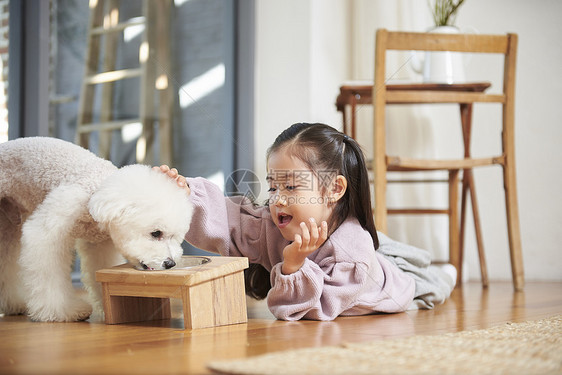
x=212, y=294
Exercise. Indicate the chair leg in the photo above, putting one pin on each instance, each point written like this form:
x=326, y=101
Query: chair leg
x=381, y=211
x=478, y=230
x=468, y=187
x=380, y=182
x=513, y=230
x=464, y=195
x=454, y=243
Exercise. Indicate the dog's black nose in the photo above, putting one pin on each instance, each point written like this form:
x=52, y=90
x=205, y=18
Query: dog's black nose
x=169, y=263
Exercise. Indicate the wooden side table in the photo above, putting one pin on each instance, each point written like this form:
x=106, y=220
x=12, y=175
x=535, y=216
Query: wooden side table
x=212, y=292
x=362, y=94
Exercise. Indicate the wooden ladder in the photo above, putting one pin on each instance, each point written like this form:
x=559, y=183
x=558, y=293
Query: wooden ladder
x=152, y=71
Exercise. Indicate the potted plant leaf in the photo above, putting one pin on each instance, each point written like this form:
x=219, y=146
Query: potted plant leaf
x=445, y=12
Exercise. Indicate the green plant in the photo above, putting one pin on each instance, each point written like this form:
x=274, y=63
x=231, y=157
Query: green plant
x=444, y=11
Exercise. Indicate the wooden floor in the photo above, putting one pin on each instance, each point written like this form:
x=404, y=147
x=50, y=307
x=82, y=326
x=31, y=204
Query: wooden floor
x=165, y=347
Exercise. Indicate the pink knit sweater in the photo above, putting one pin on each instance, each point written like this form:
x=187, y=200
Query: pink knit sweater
x=345, y=276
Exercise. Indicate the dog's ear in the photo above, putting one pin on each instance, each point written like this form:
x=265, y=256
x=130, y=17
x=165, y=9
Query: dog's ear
x=106, y=205
x=114, y=198
x=124, y=195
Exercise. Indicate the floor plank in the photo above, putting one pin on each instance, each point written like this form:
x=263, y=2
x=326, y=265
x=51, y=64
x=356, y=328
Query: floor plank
x=165, y=347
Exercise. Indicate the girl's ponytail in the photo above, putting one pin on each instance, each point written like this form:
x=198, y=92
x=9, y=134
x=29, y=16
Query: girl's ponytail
x=354, y=169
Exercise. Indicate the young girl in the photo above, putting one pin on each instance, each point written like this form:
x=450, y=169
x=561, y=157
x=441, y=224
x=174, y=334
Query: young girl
x=315, y=240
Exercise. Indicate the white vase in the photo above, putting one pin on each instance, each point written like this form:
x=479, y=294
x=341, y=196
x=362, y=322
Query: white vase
x=443, y=67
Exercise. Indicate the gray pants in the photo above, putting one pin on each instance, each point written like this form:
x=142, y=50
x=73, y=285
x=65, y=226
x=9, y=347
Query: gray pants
x=433, y=286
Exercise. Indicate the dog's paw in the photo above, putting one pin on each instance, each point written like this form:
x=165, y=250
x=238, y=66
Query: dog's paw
x=97, y=316
x=13, y=309
x=12, y=302
x=77, y=310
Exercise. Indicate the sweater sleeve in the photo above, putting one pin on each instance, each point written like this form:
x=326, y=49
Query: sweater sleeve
x=208, y=229
x=230, y=226
x=316, y=293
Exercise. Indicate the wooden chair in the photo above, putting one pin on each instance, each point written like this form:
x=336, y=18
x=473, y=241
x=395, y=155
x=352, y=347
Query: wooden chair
x=382, y=163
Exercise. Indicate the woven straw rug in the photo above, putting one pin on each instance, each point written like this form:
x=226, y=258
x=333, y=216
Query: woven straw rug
x=533, y=347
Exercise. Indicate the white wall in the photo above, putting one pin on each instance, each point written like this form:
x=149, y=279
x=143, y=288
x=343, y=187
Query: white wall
x=307, y=48
x=301, y=59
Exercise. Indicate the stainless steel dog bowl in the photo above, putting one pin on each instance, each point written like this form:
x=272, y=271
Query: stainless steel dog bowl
x=185, y=262
x=191, y=261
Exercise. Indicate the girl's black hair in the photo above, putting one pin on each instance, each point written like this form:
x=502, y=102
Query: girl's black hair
x=324, y=150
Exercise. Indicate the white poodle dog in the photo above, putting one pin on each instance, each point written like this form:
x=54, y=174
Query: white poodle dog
x=56, y=197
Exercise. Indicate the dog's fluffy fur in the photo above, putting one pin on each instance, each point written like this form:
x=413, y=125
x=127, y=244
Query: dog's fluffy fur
x=56, y=197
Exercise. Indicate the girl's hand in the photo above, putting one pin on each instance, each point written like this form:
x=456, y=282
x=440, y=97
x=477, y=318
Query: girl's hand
x=312, y=237
x=173, y=173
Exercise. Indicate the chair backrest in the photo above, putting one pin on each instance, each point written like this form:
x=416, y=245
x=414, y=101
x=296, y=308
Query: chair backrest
x=472, y=43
